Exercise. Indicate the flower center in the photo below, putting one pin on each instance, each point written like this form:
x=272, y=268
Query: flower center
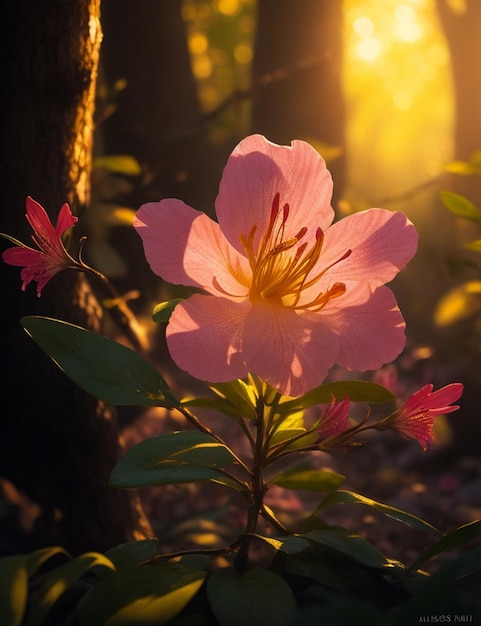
x=281, y=268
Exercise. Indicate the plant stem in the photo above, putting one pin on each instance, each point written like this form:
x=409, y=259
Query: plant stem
x=257, y=489
x=119, y=309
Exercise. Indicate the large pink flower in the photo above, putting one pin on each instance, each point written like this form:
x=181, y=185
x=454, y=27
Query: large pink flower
x=51, y=257
x=415, y=419
x=288, y=294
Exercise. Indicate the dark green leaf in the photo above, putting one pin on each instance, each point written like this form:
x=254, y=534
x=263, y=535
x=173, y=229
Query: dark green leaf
x=257, y=598
x=357, y=390
x=104, y=368
x=448, y=542
x=132, y=553
x=453, y=589
x=309, y=479
x=344, y=541
x=343, y=612
x=163, y=310
x=57, y=581
x=328, y=569
x=340, y=577
x=179, y=457
x=34, y=560
x=349, y=497
x=140, y=595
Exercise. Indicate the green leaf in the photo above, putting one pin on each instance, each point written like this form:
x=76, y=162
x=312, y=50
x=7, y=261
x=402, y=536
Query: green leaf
x=257, y=598
x=236, y=399
x=291, y=544
x=34, y=560
x=104, y=368
x=448, y=542
x=147, y=595
x=309, y=479
x=473, y=245
x=346, y=542
x=291, y=427
x=357, y=390
x=240, y=394
x=458, y=304
x=349, y=497
x=13, y=589
x=56, y=582
x=338, y=578
x=163, y=310
x=453, y=589
x=217, y=404
x=465, y=168
x=459, y=205
x=119, y=164
x=132, y=553
x=179, y=457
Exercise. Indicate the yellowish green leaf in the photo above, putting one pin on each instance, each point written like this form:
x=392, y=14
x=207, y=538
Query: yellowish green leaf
x=119, y=164
x=300, y=477
x=458, y=304
x=13, y=589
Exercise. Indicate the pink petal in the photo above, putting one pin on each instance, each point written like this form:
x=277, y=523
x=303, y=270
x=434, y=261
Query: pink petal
x=290, y=351
x=382, y=242
x=21, y=256
x=417, y=399
x=444, y=397
x=370, y=327
x=40, y=221
x=65, y=220
x=258, y=169
x=204, y=337
x=335, y=419
x=186, y=247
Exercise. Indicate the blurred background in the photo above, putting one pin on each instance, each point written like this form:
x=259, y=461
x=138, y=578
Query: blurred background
x=389, y=93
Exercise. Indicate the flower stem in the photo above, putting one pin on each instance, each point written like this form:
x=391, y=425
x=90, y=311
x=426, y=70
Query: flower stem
x=118, y=307
x=257, y=489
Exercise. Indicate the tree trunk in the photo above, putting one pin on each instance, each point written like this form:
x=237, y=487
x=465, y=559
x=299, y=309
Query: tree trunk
x=154, y=118
x=463, y=36
x=297, y=68
x=155, y=115
x=57, y=443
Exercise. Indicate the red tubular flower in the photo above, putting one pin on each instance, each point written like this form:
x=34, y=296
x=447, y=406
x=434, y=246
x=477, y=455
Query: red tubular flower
x=41, y=265
x=415, y=419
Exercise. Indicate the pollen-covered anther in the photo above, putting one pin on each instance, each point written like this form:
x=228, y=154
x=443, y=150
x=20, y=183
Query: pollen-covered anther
x=281, y=274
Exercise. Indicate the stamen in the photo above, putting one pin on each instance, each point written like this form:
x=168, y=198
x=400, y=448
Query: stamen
x=281, y=276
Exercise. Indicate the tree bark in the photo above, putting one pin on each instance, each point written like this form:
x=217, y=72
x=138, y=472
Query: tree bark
x=57, y=443
x=463, y=36
x=156, y=115
x=297, y=65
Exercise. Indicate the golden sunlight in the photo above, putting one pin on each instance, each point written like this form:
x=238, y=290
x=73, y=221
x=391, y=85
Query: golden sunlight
x=396, y=78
